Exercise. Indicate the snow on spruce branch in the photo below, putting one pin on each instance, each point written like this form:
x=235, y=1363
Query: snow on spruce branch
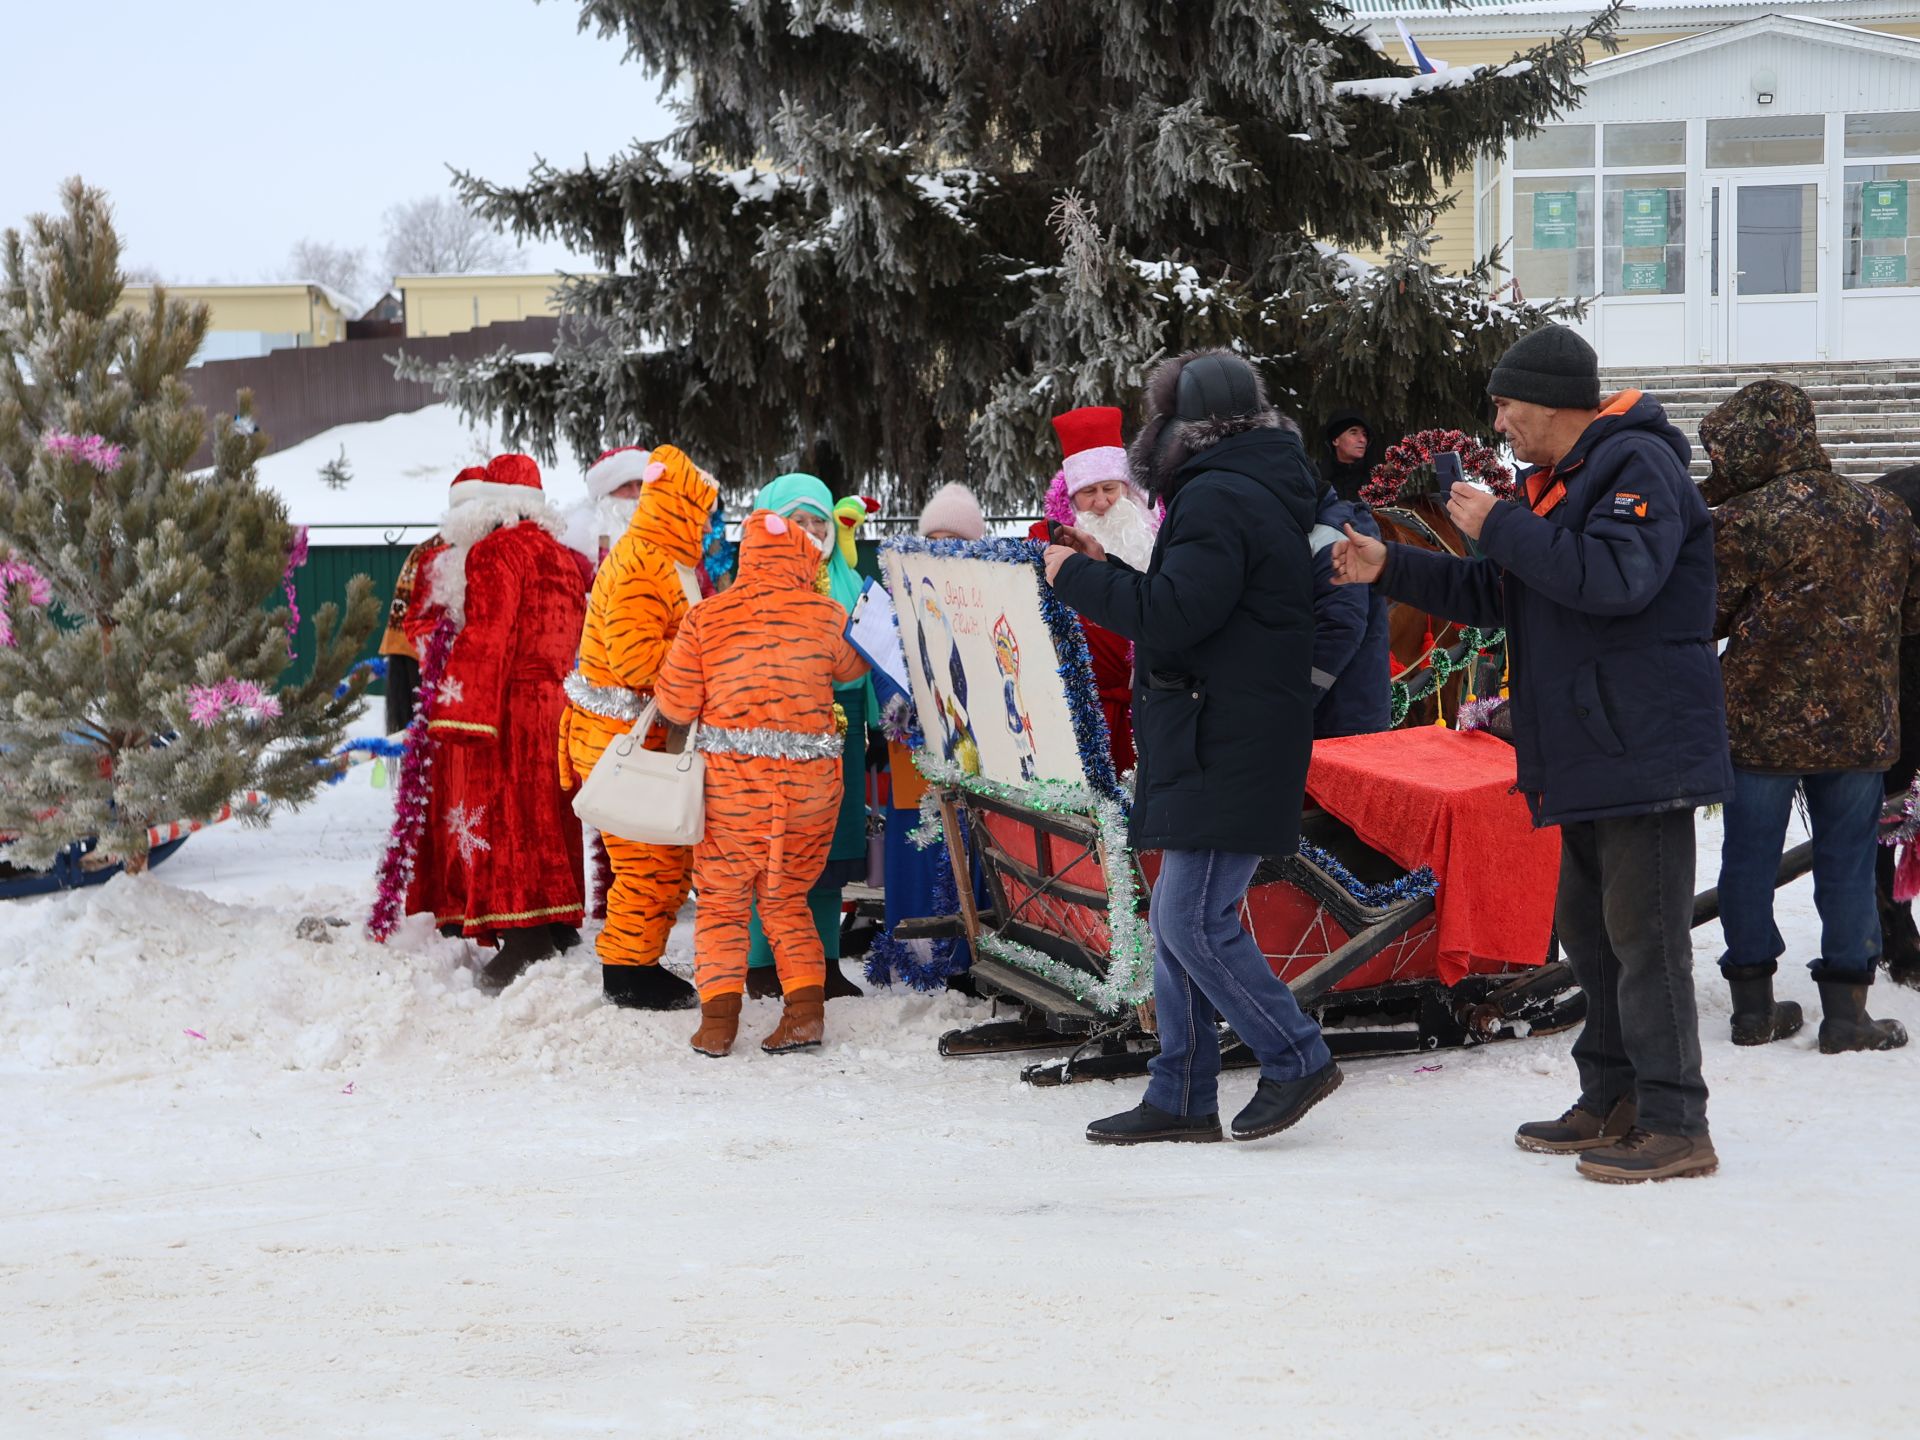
x=1396, y=90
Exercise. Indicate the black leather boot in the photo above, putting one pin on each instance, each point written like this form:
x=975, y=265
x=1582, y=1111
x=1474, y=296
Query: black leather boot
x=1280, y=1104
x=646, y=987
x=1845, y=1024
x=1758, y=1019
x=1145, y=1123
x=518, y=949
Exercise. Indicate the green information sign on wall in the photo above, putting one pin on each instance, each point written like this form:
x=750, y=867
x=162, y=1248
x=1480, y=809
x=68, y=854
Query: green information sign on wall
x=1648, y=278
x=1883, y=269
x=1556, y=220
x=1883, y=210
x=1643, y=217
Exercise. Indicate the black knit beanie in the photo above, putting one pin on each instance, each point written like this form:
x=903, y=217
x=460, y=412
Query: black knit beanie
x=1553, y=366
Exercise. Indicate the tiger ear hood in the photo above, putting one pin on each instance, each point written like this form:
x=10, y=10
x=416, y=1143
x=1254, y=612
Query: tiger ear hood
x=675, y=505
x=777, y=554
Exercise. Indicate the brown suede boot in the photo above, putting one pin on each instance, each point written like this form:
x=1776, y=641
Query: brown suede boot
x=801, y=1023
x=1578, y=1129
x=719, y=1023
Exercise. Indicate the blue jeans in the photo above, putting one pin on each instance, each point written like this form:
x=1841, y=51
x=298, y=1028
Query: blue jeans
x=1207, y=966
x=1844, y=810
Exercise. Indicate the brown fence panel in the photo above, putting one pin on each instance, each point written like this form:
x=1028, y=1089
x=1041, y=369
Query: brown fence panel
x=299, y=393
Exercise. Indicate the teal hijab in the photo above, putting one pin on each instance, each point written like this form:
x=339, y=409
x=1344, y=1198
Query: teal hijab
x=788, y=493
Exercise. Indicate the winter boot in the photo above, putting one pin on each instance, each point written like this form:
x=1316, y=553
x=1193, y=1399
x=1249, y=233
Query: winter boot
x=518, y=949
x=802, y=1022
x=1280, y=1104
x=763, y=983
x=719, y=1023
x=1146, y=1123
x=1845, y=1024
x=1904, y=970
x=565, y=937
x=1757, y=1018
x=1641, y=1155
x=646, y=987
x=838, y=986
x=1577, y=1129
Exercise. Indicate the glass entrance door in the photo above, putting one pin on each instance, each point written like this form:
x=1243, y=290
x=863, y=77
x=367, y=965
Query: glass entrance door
x=1765, y=302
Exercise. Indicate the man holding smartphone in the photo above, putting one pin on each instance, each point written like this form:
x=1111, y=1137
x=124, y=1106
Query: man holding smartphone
x=1604, y=580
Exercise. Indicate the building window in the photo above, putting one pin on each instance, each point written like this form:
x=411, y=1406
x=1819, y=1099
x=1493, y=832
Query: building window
x=1894, y=132
x=1879, y=225
x=1556, y=147
x=1664, y=142
x=1553, y=235
x=1644, y=229
x=1767, y=140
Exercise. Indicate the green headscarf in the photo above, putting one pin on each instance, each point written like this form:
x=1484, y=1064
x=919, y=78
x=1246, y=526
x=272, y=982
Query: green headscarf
x=788, y=493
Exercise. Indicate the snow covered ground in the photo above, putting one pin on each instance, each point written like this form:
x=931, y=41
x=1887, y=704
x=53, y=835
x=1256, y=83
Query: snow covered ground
x=255, y=1186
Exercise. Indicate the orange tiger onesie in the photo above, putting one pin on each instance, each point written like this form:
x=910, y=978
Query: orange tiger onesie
x=756, y=666
x=639, y=600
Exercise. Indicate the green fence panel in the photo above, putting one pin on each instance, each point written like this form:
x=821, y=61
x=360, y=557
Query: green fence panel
x=324, y=578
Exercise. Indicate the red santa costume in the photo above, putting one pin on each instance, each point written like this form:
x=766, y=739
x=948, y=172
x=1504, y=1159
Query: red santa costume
x=519, y=596
x=1090, y=439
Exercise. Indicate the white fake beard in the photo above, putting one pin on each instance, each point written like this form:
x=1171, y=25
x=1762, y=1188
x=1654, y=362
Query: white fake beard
x=611, y=516
x=1122, y=531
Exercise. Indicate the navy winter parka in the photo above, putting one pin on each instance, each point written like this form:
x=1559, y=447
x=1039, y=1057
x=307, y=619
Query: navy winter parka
x=1222, y=625
x=1608, y=602
x=1352, y=649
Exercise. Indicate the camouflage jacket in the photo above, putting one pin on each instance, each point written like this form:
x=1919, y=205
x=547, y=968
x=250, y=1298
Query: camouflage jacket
x=1818, y=580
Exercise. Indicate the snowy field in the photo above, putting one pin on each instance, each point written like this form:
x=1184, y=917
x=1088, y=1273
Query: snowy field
x=255, y=1186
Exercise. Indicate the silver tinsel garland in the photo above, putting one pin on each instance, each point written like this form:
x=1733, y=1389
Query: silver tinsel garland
x=770, y=744
x=615, y=702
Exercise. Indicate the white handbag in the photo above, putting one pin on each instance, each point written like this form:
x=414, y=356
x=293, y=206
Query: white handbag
x=655, y=797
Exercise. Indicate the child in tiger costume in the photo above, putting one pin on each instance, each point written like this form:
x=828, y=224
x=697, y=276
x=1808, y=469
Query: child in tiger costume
x=644, y=589
x=756, y=666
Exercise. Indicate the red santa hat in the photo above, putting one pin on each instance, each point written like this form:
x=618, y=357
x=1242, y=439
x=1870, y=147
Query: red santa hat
x=514, y=479
x=1090, y=438
x=616, y=468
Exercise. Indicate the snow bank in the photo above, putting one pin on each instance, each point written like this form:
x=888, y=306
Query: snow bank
x=401, y=468
x=1396, y=90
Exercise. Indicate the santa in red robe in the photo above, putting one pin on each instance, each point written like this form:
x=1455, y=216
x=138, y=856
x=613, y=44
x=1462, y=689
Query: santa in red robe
x=1094, y=492
x=519, y=596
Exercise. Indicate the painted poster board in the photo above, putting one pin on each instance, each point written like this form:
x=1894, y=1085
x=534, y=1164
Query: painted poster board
x=984, y=666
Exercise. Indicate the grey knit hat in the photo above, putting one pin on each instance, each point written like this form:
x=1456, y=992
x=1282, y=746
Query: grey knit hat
x=1552, y=366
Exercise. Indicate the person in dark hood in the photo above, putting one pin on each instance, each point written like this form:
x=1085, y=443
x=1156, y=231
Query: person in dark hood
x=1222, y=625
x=1346, y=452
x=1899, y=937
x=1352, y=636
x=1603, y=577
x=1819, y=578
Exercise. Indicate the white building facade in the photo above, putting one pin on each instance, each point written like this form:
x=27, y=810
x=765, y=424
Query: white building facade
x=1739, y=196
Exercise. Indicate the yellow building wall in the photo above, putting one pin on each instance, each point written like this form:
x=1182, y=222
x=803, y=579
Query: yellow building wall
x=270, y=309
x=1453, y=248
x=453, y=304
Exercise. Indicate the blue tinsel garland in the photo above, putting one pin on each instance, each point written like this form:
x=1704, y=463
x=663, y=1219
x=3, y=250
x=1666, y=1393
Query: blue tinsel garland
x=1414, y=885
x=892, y=959
x=380, y=748
x=375, y=665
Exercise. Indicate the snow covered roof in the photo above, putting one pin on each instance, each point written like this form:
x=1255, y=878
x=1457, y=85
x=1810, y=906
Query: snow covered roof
x=401, y=467
x=1464, y=19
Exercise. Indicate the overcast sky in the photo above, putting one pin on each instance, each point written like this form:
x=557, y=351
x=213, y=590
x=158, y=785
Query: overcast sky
x=223, y=132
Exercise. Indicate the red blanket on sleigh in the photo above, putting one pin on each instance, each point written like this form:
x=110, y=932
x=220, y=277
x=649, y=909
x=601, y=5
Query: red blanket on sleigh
x=1429, y=796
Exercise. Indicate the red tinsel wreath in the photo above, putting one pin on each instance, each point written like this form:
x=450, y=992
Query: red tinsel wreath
x=1397, y=466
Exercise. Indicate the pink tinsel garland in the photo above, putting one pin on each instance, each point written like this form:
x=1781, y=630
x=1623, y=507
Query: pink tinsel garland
x=296, y=557
x=207, y=703
x=413, y=792
x=94, y=450
x=16, y=572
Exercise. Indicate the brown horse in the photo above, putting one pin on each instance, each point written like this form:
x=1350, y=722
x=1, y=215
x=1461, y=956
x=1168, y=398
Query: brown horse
x=1423, y=523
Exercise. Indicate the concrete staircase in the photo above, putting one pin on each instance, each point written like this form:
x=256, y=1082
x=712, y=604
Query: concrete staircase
x=1869, y=409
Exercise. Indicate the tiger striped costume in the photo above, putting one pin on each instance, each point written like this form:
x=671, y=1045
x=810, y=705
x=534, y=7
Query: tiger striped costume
x=756, y=666
x=640, y=597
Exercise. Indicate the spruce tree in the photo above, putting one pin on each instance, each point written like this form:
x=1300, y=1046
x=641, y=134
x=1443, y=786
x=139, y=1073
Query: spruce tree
x=140, y=665
x=887, y=240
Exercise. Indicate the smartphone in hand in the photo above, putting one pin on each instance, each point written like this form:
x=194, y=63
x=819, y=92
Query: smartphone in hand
x=1447, y=472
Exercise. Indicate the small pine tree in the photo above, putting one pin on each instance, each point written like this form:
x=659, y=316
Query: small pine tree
x=842, y=258
x=139, y=687
x=336, y=472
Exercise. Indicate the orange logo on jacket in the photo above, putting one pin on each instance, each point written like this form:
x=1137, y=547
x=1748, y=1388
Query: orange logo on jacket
x=1628, y=504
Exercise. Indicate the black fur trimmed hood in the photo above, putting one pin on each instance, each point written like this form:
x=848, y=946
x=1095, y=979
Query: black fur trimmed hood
x=1166, y=442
